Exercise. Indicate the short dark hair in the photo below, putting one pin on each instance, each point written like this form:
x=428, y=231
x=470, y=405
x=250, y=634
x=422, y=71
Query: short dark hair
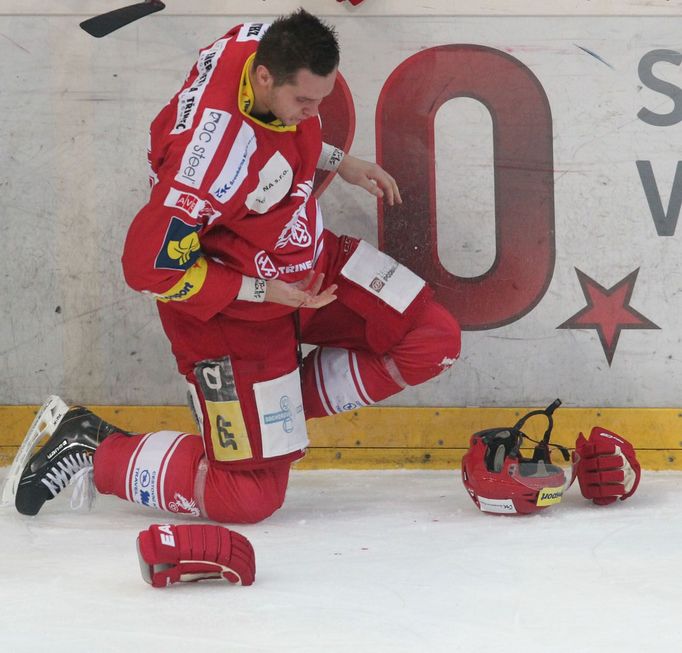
x=298, y=40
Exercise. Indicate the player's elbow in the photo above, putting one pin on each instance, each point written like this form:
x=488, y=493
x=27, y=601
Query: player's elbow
x=139, y=272
x=133, y=275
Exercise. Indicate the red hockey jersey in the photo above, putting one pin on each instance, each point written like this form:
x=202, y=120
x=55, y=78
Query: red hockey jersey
x=231, y=195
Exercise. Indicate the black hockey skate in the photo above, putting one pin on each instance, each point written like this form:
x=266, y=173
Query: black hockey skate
x=75, y=435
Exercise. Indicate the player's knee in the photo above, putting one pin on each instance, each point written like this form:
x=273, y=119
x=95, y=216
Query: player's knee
x=431, y=347
x=251, y=512
x=245, y=497
x=448, y=336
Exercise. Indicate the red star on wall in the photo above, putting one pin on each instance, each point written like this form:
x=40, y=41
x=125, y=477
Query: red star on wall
x=608, y=311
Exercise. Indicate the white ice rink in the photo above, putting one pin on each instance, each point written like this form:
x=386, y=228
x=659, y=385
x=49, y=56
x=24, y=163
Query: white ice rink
x=361, y=562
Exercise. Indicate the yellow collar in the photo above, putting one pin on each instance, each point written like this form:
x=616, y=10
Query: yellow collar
x=246, y=100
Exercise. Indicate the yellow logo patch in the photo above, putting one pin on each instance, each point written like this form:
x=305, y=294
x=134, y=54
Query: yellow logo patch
x=228, y=431
x=189, y=285
x=181, y=246
x=182, y=250
x=548, y=496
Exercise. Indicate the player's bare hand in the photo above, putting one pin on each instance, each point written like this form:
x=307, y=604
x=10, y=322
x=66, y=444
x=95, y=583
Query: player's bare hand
x=371, y=176
x=306, y=293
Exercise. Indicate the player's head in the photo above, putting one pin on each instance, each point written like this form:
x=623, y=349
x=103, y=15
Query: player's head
x=295, y=66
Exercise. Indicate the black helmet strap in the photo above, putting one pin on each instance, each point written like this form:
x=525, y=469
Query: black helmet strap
x=541, y=451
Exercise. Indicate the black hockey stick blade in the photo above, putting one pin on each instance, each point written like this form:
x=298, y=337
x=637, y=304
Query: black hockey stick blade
x=104, y=24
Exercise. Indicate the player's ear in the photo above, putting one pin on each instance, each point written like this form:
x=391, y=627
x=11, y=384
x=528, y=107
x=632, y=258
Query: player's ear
x=263, y=76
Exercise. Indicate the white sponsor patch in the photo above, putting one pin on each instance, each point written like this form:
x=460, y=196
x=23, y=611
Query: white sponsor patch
x=184, y=201
x=147, y=468
x=382, y=276
x=499, y=506
x=274, y=180
x=202, y=148
x=189, y=99
x=252, y=31
x=236, y=167
x=195, y=207
x=280, y=411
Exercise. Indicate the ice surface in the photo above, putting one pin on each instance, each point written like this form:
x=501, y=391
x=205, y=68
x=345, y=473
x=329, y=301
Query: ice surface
x=361, y=562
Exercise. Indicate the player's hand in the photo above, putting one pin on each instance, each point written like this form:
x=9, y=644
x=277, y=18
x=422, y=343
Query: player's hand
x=371, y=176
x=301, y=294
x=607, y=467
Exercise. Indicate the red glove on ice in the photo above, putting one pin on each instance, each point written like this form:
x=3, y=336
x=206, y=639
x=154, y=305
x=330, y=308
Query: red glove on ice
x=607, y=467
x=170, y=554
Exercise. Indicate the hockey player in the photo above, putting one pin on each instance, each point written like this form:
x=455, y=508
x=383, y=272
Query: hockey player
x=232, y=247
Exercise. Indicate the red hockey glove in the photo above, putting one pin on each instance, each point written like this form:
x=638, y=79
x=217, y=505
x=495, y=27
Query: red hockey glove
x=181, y=553
x=607, y=467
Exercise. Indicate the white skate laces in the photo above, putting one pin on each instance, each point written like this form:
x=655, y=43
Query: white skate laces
x=76, y=469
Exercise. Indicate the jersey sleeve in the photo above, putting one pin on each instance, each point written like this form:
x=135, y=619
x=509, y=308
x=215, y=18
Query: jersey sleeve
x=163, y=255
x=199, y=155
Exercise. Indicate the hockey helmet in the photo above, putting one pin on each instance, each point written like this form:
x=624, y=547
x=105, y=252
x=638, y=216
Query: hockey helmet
x=501, y=480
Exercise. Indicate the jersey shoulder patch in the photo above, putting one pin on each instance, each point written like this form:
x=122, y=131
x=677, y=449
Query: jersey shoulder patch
x=180, y=247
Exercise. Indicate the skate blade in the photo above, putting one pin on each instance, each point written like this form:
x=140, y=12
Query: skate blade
x=45, y=423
